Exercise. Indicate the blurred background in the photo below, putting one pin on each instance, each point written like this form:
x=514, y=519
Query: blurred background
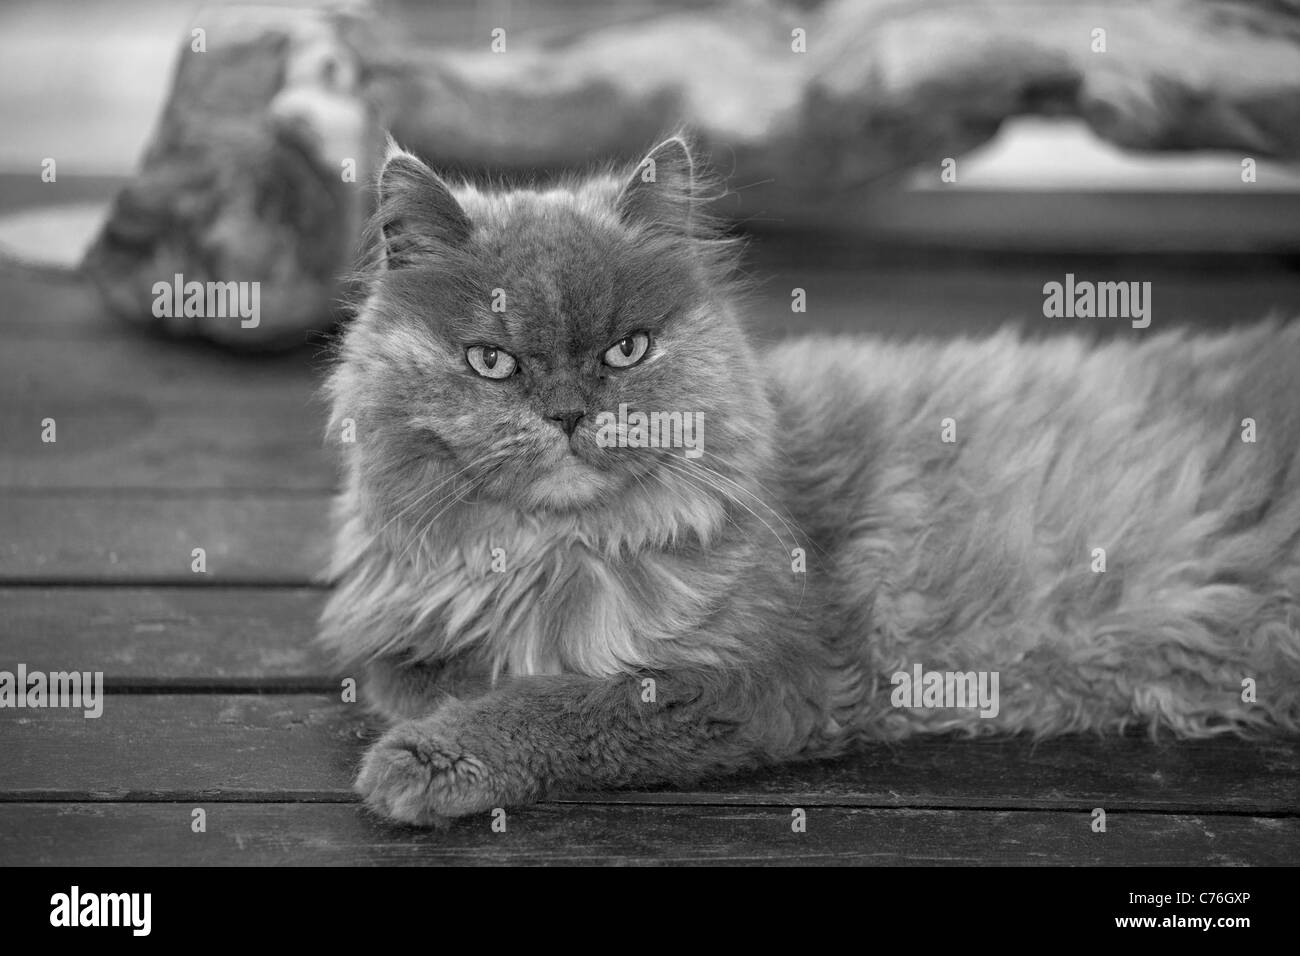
x=897, y=249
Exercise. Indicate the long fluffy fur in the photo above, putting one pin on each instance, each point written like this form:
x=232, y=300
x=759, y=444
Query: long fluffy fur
x=978, y=554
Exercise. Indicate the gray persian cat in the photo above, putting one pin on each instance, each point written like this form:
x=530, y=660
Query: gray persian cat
x=591, y=538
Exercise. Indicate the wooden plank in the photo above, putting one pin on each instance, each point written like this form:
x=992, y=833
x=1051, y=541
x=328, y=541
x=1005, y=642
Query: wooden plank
x=120, y=442
x=168, y=637
x=88, y=834
x=249, y=748
x=142, y=413
x=237, y=747
x=1070, y=772
x=107, y=536
x=130, y=363
x=59, y=306
x=136, y=411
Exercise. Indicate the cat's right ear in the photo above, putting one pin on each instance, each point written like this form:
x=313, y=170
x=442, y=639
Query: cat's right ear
x=661, y=190
x=417, y=214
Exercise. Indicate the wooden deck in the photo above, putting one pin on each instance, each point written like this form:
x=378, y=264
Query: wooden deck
x=218, y=701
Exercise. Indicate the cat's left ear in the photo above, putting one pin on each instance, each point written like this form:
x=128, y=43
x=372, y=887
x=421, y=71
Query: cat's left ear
x=660, y=191
x=417, y=213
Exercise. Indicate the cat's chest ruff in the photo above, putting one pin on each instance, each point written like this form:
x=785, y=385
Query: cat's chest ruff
x=532, y=606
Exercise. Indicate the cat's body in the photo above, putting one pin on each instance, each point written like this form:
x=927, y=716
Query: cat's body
x=541, y=612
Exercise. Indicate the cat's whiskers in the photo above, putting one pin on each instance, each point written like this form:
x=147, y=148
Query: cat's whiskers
x=803, y=589
x=671, y=490
x=424, y=524
x=731, y=481
x=706, y=481
x=421, y=498
x=622, y=429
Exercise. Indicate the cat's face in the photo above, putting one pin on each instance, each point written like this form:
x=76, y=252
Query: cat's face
x=509, y=331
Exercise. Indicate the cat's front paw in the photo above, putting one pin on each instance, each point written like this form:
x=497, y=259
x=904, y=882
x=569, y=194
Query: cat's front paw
x=422, y=772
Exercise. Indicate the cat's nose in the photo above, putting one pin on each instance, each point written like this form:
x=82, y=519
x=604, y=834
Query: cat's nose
x=568, y=419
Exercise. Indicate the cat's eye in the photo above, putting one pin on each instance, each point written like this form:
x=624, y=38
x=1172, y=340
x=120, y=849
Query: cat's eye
x=626, y=352
x=490, y=361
